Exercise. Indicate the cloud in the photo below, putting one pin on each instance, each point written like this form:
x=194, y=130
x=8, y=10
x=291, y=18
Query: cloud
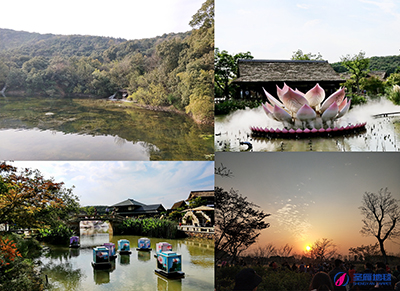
x=303, y=6
x=107, y=183
x=293, y=221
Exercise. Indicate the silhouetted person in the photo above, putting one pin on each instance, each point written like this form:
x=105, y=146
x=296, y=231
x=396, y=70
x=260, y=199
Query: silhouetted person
x=247, y=280
x=369, y=269
x=338, y=269
x=382, y=284
x=321, y=282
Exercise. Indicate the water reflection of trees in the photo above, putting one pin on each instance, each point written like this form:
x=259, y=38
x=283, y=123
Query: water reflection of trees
x=164, y=135
x=201, y=251
x=64, y=275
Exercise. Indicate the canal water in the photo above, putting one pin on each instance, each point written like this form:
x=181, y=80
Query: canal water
x=43, y=128
x=381, y=134
x=71, y=269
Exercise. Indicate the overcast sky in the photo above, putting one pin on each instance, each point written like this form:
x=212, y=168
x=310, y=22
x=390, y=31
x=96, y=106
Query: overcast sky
x=272, y=29
x=129, y=19
x=107, y=183
x=311, y=196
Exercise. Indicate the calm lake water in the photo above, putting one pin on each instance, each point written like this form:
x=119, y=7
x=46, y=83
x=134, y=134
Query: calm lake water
x=71, y=269
x=42, y=128
x=382, y=134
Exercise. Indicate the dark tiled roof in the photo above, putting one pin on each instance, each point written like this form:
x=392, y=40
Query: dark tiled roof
x=128, y=202
x=286, y=71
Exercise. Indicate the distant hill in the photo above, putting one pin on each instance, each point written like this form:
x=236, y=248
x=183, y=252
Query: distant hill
x=10, y=39
x=388, y=64
x=14, y=43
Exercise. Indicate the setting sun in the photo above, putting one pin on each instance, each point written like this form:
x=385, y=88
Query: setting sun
x=308, y=248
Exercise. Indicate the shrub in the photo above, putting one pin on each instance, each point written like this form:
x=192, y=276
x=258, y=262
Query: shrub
x=152, y=227
x=394, y=94
x=57, y=235
x=357, y=99
x=231, y=105
x=16, y=265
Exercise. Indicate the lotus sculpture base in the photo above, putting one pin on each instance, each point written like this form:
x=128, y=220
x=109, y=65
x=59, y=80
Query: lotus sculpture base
x=307, y=133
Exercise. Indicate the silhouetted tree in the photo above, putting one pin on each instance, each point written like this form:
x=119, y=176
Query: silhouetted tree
x=323, y=250
x=365, y=251
x=238, y=223
x=382, y=214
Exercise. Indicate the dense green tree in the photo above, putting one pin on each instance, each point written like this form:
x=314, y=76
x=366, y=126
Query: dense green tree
x=357, y=66
x=4, y=72
x=226, y=70
x=196, y=86
x=393, y=79
x=373, y=85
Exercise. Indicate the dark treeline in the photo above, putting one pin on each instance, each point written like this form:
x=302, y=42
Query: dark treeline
x=389, y=64
x=174, y=69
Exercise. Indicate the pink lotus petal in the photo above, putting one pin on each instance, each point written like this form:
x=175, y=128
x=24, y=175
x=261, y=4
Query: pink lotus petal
x=344, y=109
x=282, y=91
x=328, y=129
x=314, y=130
x=299, y=92
x=299, y=130
x=335, y=129
x=285, y=130
x=315, y=96
x=336, y=97
x=272, y=99
x=341, y=128
x=266, y=130
x=306, y=130
x=343, y=104
x=267, y=111
x=293, y=101
x=292, y=130
x=306, y=113
x=281, y=114
x=321, y=130
x=278, y=130
x=272, y=130
x=352, y=126
x=330, y=113
x=269, y=107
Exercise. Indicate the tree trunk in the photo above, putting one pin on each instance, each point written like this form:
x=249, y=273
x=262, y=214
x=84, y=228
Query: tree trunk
x=382, y=250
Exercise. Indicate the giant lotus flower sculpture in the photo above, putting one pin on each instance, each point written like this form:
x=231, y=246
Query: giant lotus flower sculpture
x=309, y=112
x=306, y=108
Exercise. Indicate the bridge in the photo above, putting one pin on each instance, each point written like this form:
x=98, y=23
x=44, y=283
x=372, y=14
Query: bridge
x=112, y=219
x=385, y=114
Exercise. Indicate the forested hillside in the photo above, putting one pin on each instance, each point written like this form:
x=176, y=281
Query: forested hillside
x=388, y=64
x=174, y=69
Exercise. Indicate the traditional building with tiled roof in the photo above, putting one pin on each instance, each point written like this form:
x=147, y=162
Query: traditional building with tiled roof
x=253, y=75
x=131, y=207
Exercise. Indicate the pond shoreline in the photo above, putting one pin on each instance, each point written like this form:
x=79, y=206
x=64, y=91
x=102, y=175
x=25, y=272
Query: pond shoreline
x=169, y=108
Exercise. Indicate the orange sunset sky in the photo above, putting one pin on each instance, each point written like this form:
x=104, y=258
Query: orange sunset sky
x=311, y=196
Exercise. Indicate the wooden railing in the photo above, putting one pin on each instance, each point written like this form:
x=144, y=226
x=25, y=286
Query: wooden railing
x=195, y=228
